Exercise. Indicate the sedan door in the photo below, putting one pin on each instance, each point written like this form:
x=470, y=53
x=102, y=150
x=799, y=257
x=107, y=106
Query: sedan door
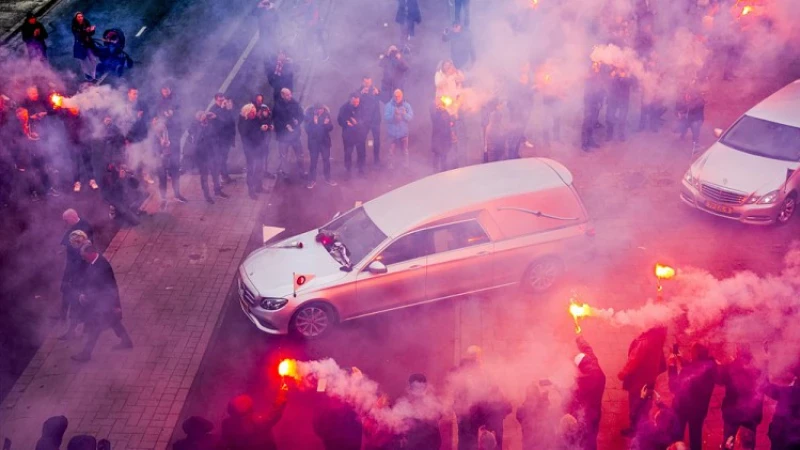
x=461, y=262
x=404, y=281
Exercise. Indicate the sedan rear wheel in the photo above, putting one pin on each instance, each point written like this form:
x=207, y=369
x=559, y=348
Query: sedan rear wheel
x=312, y=321
x=787, y=209
x=543, y=275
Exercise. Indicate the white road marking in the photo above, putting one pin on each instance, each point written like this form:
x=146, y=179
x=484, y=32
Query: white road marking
x=236, y=67
x=141, y=31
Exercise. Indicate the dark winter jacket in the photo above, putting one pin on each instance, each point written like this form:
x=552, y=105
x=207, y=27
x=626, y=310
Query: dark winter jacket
x=594, y=91
x=784, y=430
x=619, y=90
x=28, y=30
x=280, y=75
x=488, y=413
x=408, y=11
x=355, y=114
x=658, y=435
x=100, y=288
x=251, y=134
x=371, y=105
x=423, y=435
x=645, y=360
x=462, y=51
x=319, y=134
x=394, y=72
x=84, y=39
x=76, y=266
x=692, y=387
x=139, y=119
x=203, y=141
x=174, y=123
x=287, y=114
x=338, y=426
x=743, y=401
x=82, y=442
x=536, y=420
x=224, y=126
x=441, y=130
x=53, y=430
x=245, y=430
x=198, y=435
x=692, y=107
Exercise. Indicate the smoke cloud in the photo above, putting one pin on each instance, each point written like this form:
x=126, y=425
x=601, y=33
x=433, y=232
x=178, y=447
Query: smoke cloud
x=744, y=308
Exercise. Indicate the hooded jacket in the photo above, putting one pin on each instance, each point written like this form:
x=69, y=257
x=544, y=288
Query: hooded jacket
x=53, y=430
x=28, y=30
x=198, y=435
x=743, y=401
x=693, y=387
x=82, y=442
x=645, y=360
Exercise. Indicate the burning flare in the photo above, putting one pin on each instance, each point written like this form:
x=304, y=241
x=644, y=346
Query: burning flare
x=446, y=101
x=747, y=10
x=288, y=368
x=578, y=312
x=57, y=100
x=534, y=4
x=664, y=272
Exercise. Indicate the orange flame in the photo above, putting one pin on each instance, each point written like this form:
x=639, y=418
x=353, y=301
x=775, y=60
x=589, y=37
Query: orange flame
x=664, y=272
x=578, y=312
x=288, y=368
x=57, y=100
x=447, y=101
x=747, y=10
x=534, y=4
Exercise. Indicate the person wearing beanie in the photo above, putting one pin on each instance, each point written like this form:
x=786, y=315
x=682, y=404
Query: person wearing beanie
x=587, y=399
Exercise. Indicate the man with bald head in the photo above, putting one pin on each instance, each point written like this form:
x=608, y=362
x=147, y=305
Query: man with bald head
x=74, y=268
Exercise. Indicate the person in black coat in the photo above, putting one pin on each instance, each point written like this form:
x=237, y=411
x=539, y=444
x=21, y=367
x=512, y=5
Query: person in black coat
x=691, y=114
x=442, y=135
x=82, y=442
x=337, y=425
x=536, y=418
x=280, y=74
x=371, y=103
x=619, y=98
x=318, y=126
x=408, y=16
x=351, y=119
x=252, y=134
x=168, y=111
x=203, y=141
x=100, y=298
x=587, y=399
x=287, y=117
x=784, y=430
x=34, y=34
x=83, y=49
x=593, y=95
x=743, y=404
x=53, y=430
x=73, y=269
x=692, y=387
x=659, y=432
x=462, y=50
x=394, y=69
x=198, y=435
x=224, y=125
x=423, y=432
x=244, y=429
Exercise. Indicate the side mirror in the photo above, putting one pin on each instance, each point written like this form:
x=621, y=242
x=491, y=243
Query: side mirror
x=718, y=132
x=377, y=268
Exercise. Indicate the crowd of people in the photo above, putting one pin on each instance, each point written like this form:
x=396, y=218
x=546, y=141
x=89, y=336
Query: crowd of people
x=104, y=160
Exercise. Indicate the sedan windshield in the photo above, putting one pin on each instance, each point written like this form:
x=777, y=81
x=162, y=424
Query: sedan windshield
x=357, y=232
x=764, y=138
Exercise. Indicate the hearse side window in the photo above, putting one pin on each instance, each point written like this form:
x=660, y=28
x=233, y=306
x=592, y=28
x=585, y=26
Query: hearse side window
x=458, y=235
x=408, y=247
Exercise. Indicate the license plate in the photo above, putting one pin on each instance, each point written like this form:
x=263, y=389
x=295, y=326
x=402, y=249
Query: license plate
x=719, y=208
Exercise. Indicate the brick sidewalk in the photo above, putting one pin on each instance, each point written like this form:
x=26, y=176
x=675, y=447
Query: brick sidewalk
x=174, y=273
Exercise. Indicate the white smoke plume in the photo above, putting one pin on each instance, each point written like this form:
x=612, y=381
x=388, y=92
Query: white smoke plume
x=744, y=308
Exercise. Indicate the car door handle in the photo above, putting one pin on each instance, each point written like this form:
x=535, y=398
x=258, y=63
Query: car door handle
x=415, y=266
x=485, y=252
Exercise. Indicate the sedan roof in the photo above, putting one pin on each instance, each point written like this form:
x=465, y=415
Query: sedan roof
x=781, y=107
x=431, y=197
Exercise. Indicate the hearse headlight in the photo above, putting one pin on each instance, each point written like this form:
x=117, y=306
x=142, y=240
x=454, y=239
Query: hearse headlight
x=273, y=304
